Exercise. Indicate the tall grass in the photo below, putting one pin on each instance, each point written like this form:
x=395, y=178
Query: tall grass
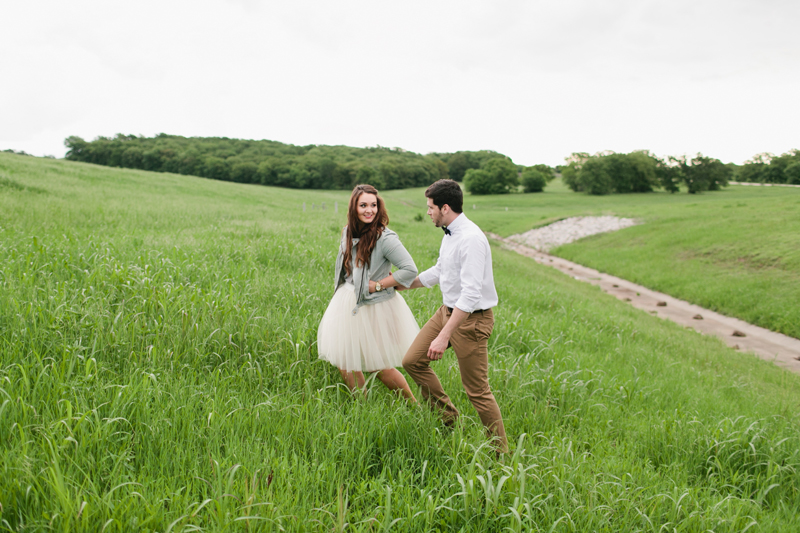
x=158, y=372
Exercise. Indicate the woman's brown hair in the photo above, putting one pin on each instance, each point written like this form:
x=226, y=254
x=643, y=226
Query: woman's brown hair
x=367, y=233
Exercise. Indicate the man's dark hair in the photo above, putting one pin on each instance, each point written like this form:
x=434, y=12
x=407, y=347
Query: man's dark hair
x=446, y=192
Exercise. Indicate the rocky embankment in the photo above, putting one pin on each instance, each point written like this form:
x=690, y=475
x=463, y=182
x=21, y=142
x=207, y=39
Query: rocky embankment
x=569, y=230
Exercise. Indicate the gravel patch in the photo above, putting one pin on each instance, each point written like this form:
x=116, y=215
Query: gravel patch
x=569, y=230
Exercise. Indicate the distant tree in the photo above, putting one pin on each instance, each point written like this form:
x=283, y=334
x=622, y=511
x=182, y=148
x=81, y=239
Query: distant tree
x=320, y=170
x=496, y=176
x=548, y=172
x=215, y=168
x=767, y=167
x=440, y=169
x=390, y=174
x=458, y=164
x=533, y=180
x=344, y=176
x=715, y=173
x=23, y=152
x=569, y=172
x=299, y=177
x=792, y=173
x=643, y=177
x=75, y=147
x=668, y=175
x=702, y=173
x=503, y=173
x=609, y=172
x=245, y=172
x=478, y=181
x=777, y=167
x=633, y=172
x=133, y=157
x=370, y=176
x=595, y=178
x=752, y=172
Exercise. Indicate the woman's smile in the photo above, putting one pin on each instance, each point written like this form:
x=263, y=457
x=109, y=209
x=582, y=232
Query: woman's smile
x=367, y=207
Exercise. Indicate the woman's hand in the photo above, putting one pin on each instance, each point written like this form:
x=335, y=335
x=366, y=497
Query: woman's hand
x=385, y=284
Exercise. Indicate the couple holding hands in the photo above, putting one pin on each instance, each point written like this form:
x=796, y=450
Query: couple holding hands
x=368, y=327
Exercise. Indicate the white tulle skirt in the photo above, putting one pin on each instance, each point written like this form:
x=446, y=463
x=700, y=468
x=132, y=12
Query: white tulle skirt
x=375, y=338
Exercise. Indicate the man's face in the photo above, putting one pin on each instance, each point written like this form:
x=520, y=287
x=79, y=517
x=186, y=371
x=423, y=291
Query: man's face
x=435, y=213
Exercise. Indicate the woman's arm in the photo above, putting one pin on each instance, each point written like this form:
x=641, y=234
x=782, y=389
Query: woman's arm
x=386, y=282
x=396, y=254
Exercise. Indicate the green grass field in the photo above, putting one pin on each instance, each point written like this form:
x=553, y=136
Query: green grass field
x=735, y=251
x=158, y=373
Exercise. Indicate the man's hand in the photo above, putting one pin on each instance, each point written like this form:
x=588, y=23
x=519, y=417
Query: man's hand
x=439, y=344
x=437, y=347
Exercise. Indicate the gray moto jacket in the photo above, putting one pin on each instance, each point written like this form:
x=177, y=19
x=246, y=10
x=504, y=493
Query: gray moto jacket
x=388, y=251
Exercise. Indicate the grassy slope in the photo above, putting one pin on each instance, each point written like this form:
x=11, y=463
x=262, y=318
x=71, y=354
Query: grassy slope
x=158, y=362
x=735, y=251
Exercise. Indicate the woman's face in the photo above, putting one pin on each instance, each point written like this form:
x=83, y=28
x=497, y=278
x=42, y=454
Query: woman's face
x=367, y=207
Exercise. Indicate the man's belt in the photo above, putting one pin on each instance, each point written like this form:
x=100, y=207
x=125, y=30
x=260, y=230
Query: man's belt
x=450, y=309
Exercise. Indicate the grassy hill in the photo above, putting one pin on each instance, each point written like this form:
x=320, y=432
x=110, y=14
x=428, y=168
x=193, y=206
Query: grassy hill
x=158, y=372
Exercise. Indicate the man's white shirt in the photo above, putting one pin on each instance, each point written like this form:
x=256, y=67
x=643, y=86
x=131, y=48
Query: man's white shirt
x=464, y=268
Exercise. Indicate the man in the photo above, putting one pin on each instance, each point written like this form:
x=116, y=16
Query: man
x=465, y=321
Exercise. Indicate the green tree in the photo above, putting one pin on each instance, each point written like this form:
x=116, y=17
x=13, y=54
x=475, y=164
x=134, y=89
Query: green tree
x=548, y=172
x=792, y=173
x=503, y=174
x=752, y=172
x=570, y=172
x=76, y=147
x=595, y=178
x=702, y=173
x=642, y=172
x=215, y=168
x=458, y=164
x=533, y=180
x=478, y=181
x=668, y=175
x=245, y=172
x=369, y=175
x=133, y=157
x=440, y=169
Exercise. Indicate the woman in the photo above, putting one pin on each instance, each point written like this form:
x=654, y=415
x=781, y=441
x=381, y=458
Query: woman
x=368, y=326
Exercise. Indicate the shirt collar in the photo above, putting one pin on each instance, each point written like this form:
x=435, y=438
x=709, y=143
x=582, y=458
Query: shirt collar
x=457, y=223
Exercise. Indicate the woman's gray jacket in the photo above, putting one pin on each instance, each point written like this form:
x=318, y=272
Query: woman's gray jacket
x=388, y=251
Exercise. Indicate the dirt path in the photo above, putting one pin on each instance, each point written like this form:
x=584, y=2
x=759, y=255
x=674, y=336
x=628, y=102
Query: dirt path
x=781, y=349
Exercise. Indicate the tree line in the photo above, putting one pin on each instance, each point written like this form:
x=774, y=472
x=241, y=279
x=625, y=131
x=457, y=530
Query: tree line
x=483, y=172
x=642, y=171
x=769, y=168
x=274, y=163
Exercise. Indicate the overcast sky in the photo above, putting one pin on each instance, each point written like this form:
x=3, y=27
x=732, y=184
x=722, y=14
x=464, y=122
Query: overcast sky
x=533, y=80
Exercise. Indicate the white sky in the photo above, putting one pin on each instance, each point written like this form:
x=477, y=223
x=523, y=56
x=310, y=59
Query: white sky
x=534, y=80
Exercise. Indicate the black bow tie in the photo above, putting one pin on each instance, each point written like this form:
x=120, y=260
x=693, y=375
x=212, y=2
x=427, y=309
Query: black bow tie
x=446, y=231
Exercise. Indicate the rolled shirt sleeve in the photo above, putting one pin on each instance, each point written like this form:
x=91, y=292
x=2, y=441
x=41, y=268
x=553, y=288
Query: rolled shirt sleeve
x=473, y=265
x=430, y=277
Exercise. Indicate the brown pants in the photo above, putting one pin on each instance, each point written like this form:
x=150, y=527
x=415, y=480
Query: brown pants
x=469, y=342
